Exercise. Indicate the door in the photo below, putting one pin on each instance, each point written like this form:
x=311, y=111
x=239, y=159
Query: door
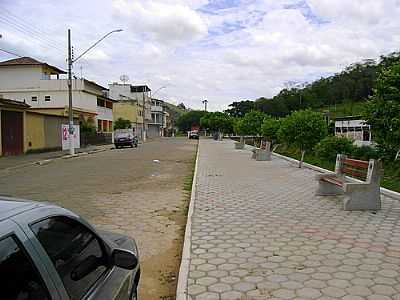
x=12, y=132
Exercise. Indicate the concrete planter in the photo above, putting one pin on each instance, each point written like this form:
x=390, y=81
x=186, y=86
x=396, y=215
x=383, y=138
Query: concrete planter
x=263, y=155
x=239, y=146
x=253, y=153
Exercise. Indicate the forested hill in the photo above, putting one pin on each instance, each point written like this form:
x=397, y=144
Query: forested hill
x=346, y=89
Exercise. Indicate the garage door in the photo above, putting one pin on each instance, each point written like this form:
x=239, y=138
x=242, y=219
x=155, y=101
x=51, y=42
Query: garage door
x=11, y=132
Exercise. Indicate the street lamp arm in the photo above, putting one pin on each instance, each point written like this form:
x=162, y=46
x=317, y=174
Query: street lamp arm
x=95, y=44
x=163, y=87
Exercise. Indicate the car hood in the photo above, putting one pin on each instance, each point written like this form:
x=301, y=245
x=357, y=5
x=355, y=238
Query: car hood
x=120, y=241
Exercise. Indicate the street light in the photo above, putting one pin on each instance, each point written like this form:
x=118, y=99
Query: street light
x=70, y=62
x=205, y=101
x=159, y=89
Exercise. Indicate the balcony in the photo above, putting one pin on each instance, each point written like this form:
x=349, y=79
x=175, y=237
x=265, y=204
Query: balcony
x=104, y=113
x=157, y=108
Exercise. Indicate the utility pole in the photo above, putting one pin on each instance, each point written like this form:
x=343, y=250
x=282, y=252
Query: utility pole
x=71, y=60
x=205, y=101
x=70, y=112
x=143, y=119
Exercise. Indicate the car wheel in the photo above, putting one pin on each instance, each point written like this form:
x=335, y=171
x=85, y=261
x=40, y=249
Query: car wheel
x=131, y=145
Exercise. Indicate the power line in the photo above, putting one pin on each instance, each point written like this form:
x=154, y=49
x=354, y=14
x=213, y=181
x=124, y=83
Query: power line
x=31, y=27
x=29, y=34
x=9, y=52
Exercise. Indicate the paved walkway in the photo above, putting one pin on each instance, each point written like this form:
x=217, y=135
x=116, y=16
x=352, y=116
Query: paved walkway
x=259, y=232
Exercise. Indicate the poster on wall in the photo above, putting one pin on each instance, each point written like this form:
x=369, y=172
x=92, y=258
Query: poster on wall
x=65, y=137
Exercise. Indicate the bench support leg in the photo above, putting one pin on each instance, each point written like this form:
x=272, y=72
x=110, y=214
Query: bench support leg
x=328, y=189
x=362, y=200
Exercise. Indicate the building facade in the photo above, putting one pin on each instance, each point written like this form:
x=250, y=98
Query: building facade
x=355, y=129
x=39, y=85
x=158, y=121
x=137, y=98
x=26, y=130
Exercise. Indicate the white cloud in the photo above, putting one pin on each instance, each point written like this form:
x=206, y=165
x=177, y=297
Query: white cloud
x=164, y=22
x=239, y=52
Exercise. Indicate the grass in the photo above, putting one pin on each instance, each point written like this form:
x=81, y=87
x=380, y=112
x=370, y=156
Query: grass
x=344, y=109
x=390, y=180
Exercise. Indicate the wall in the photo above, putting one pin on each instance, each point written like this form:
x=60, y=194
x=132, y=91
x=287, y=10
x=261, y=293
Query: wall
x=20, y=77
x=58, y=92
x=43, y=132
x=127, y=110
x=119, y=89
x=35, y=135
x=52, y=131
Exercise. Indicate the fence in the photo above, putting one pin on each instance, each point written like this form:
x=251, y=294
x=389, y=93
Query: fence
x=99, y=138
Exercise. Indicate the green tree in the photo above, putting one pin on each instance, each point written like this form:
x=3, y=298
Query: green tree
x=251, y=123
x=303, y=129
x=270, y=128
x=88, y=127
x=121, y=123
x=217, y=122
x=382, y=112
x=330, y=146
x=239, y=109
x=192, y=118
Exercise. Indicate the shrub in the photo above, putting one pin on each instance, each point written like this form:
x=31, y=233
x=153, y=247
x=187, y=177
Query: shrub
x=330, y=146
x=303, y=130
x=269, y=128
x=365, y=153
x=122, y=124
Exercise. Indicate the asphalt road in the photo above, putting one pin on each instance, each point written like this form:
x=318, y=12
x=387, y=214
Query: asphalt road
x=138, y=192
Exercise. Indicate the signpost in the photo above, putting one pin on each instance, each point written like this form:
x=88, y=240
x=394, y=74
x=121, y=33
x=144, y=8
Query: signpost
x=65, y=137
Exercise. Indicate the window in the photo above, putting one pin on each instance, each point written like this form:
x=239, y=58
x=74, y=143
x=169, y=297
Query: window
x=99, y=123
x=109, y=104
x=47, y=98
x=18, y=276
x=34, y=98
x=74, y=251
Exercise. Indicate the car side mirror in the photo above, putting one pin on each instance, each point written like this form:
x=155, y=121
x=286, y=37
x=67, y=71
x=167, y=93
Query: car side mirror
x=124, y=259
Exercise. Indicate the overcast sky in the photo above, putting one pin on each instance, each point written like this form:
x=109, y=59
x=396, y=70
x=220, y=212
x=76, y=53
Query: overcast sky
x=222, y=50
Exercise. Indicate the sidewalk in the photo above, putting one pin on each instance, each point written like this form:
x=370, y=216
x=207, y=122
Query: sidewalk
x=258, y=232
x=7, y=162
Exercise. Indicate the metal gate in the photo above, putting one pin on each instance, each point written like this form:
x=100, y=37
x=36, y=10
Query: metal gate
x=12, y=132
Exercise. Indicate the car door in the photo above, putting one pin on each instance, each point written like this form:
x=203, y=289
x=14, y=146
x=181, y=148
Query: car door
x=66, y=243
x=22, y=274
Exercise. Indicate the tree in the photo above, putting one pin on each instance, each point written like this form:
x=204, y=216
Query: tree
x=121, y=123
x=192, y=118
x=303, y=129
x=270, y=128
x=181, y=106
x=383, y=111
x=239, y=109
x=217, y=122
x=330, y=146
x=251, y=123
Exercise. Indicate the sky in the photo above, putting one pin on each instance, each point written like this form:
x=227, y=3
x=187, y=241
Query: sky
x=219, y=50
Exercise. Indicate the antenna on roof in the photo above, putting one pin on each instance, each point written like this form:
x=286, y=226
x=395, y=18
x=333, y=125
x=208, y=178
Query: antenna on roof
x=124, y=78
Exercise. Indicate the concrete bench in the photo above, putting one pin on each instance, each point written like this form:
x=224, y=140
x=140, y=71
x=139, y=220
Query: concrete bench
x=262, y=154
x=358, y=195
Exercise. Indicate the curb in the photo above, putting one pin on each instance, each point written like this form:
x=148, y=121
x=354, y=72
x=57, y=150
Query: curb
x=384, y=191
x=182, y=286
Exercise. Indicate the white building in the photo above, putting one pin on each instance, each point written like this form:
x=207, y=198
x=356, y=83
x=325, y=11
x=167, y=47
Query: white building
x=158, y=122
x=39, y=85
x=355, y=129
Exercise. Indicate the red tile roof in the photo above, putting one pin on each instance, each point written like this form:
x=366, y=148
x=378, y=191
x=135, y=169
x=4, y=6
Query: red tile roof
x=13, y=103
x=29, y=61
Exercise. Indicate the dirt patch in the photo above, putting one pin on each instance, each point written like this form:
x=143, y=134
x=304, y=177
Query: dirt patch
x=124, y=191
